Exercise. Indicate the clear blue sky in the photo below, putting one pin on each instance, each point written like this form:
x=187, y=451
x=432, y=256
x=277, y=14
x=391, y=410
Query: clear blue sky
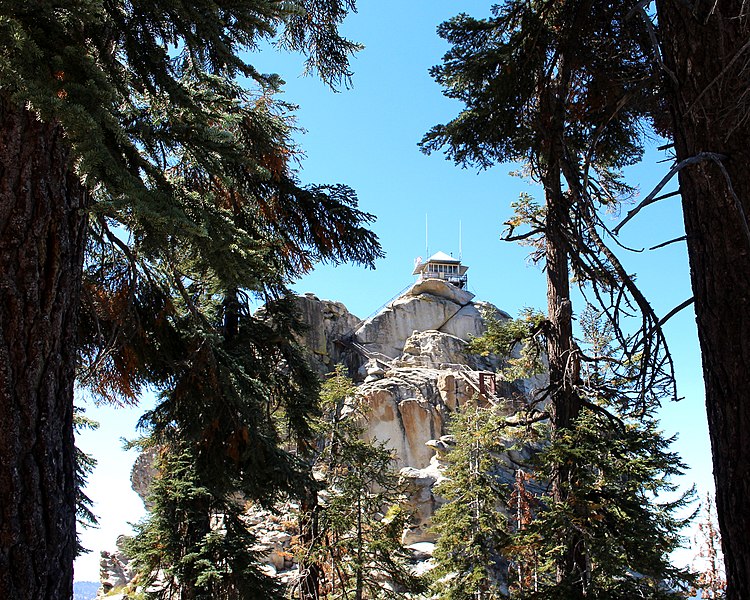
x=367, y=138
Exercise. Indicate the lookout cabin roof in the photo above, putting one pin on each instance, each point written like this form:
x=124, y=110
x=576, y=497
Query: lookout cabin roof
x=441, y=266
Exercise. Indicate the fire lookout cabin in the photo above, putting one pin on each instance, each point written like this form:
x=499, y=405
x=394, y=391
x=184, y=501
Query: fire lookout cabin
x=441, y=266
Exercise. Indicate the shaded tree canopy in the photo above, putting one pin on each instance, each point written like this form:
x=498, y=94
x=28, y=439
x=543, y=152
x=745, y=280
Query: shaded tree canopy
x=171, y=203
x=567, y=90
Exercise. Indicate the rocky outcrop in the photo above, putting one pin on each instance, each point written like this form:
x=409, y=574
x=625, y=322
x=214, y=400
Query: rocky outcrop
x=433, y=349
x=326, y=323
x=431, y=305
x=410, y=406
x=417, y=372
x=414, y=371
x=276, y=535
x=115, y=569
x=142, y=474
x=419, y=485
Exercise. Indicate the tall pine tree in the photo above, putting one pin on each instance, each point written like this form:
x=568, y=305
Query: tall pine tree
x=559, y=87
x=472, y=528
x=352, y=540
x=620, y=468
x=147, y=198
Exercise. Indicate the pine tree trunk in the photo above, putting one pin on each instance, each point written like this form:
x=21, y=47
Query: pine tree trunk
x=42, y=228
x=359, y=584
x=309, y=587
x=707, y=54
x=564, y=403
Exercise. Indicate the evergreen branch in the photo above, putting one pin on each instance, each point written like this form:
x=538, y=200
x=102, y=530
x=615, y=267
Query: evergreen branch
x=613, y=419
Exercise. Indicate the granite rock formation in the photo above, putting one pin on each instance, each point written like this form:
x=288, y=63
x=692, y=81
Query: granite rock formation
x=430, y=305
x=413, y=371
x=116, y=570
x=326, y=323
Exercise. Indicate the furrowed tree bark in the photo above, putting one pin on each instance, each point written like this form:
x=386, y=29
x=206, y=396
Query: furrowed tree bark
x=565, y=405
x=707, y=51
x=42, y=229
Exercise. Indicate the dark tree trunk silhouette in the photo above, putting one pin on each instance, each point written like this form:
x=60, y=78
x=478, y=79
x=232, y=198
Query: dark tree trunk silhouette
x=706, y=52
x=42, y=229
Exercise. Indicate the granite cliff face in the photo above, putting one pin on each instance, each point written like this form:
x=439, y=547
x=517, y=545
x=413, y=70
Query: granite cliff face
x=412, y=362
x=429, y=305
x=326, y=322
x=413, y=371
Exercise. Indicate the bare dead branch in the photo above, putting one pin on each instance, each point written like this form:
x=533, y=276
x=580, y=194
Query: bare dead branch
x=599, y=358
x=509, y=237
x=650, y=199
x=614, y=420
x=682, y=238
x=617, y=241
x=655, y=43
x=535, y=417
x=669, y=195
x=676, y=309
x=639, y=6
x=650, y=337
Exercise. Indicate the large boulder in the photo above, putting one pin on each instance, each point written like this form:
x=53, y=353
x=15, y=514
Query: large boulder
x=434, y=349
x=429, y=305
x=440, y=287
x=388, y=331
x=449, y=354
x=467, y=322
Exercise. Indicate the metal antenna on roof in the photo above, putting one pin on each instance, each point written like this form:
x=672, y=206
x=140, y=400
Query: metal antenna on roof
x=459, y=240
x=426, y=237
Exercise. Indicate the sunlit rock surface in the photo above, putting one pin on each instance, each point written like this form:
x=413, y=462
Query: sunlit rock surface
x=327, y=322
x=413, y=371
